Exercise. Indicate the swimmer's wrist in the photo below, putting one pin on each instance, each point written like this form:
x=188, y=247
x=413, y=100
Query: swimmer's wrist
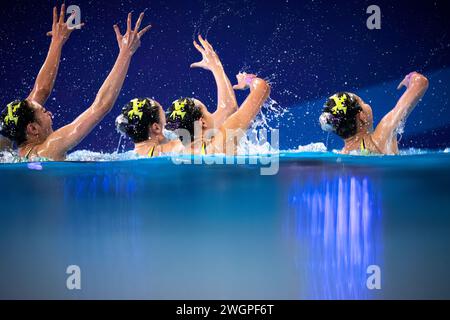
x=408, y=79
x=251, y=81
x=217, y=68
x=124, y=53
x=58, y=43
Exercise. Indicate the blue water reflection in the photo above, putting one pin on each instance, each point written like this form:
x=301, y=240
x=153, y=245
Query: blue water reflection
x=337, y=222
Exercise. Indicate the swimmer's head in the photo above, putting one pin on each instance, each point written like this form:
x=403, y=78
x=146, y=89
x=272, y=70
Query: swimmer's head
x=186, y=114
x=141, y=119
x=341, y=114
x=22, y=120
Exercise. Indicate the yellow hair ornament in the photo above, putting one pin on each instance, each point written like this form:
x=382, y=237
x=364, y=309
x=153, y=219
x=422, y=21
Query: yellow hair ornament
x=339, y=104
x=12, y=108
x=136, y=111
x=179, y=109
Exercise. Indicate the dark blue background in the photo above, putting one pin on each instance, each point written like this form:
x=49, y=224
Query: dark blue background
x=308, y=49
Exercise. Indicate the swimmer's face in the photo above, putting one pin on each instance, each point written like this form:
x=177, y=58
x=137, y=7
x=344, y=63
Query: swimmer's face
x=206, y=119
x=156, y=129
x=42, y=126
x=162, y=117
x=365, y=117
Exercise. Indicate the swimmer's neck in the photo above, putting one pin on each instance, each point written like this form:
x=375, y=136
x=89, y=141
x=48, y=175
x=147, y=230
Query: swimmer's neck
x=355, y=140
x=197, y=144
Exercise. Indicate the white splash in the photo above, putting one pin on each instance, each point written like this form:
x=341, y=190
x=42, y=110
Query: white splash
x=412, y=152
x=9, y=157
x=254, y=145
x=86, y=155
x=270, y=116
x=312, y=147
x=246, y=148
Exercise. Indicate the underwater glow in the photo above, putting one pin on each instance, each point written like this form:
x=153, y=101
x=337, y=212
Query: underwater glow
x=337, y=222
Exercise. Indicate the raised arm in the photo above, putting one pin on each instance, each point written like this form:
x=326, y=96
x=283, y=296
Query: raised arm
x=226, y=98
x=45, y=80
x=259, y=92
x=69, y=136
x=416, y=86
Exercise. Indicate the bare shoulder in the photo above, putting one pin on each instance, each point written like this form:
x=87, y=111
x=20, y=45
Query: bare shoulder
x=49, y=151
x=173, y=146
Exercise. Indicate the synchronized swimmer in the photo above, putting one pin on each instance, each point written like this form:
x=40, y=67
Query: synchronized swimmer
x=29, y=125
x=195, y=130
x=186, y=127
x=351, y=118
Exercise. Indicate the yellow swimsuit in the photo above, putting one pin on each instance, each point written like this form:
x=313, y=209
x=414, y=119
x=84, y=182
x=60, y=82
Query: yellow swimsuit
x=363, y=149
x=35, y=158
x=203, y=152
x=27, y=156
x=152, y=150
x=363, y=145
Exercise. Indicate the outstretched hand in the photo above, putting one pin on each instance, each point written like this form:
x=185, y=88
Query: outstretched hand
x=60, y=30
x=131, y=40
x=406, y=81
x=244, y=80
x=210, y=59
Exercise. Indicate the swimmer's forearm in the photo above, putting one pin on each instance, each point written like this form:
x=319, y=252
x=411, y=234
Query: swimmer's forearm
x=128, y=44
x=226, y=98
x=241, y=119
x=45, y=80
x=392, y=121
x=259, y=92
x=108, y=93
x=67, y=137
x=416, y=90
x=419, y=85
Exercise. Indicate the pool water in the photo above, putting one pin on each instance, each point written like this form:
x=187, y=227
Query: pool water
x=150, y=229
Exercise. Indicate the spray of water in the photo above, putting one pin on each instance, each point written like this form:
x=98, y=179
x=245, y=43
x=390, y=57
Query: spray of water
x=118, y=145
x=9, y=156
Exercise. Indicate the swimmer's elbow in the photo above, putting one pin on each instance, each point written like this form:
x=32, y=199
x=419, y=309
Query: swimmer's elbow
x=40, y=94
x=44, y=91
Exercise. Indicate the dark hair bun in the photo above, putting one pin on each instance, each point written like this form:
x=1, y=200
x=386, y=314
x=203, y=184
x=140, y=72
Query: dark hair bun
x=136, y=117
x=14, y=120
